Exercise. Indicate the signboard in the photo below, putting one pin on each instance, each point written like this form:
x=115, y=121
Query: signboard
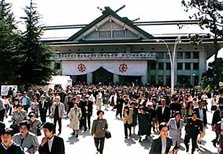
x=5, y=88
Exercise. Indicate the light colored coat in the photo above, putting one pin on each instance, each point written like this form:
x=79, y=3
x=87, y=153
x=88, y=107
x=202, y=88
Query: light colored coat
x=99, y=99
x=61, y=109
x=74, y=116
x=127, y=117
x=174, y=132
x=19, y=117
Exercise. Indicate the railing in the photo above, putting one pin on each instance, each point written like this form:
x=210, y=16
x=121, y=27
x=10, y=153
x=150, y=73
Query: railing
x=107, y=56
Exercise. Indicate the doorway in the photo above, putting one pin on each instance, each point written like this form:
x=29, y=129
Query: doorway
x=103, y=76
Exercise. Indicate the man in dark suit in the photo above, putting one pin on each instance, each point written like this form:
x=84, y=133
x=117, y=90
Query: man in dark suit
x=202, y=115
x=162, y=144
x=216, y=120
x=163, y=112
x=51, y=144
x=88, y=112
x=193, y=128
x=43, y=106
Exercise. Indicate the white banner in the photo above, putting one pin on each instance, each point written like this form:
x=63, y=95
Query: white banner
x=5, y=89
x=128, y=68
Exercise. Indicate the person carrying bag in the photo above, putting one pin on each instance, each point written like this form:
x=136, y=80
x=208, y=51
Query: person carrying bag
x=100, y=131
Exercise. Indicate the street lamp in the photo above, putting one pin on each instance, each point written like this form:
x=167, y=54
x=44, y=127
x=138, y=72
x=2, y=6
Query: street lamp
x=193, y=80
x=172, y=59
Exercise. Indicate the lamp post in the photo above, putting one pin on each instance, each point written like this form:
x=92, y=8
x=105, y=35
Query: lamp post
x=172, y=59
x=193, y=80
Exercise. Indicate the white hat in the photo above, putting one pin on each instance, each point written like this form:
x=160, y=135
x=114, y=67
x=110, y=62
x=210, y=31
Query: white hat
x=58, y=97
x=78, y=95
x=149, y=103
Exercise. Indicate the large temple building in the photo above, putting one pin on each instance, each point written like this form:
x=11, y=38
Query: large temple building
x=112, y=49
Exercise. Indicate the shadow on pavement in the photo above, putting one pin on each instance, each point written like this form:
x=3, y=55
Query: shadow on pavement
x=85, y=134
x=72, y=140
x=146, y=144
x=204, y=150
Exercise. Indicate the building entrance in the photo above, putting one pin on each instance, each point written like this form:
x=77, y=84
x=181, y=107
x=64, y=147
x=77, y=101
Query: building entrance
x=103, y=76
x=128, y=80
x=79, y=79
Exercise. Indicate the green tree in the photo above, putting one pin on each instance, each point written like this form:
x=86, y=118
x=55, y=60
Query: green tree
x=209, y=13
x=8, y=45
x=36, y=68
x=214, y=74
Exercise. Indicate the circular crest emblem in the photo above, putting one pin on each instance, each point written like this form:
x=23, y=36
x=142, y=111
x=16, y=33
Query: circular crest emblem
x=123, y=67
x=81, y=67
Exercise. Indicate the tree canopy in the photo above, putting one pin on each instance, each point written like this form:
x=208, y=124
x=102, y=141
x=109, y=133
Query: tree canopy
x=209, y=13
x=36, y=68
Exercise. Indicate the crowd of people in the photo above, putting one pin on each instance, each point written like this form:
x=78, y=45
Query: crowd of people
x=144, y=108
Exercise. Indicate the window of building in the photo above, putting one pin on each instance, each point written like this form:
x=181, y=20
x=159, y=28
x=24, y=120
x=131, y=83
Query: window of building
x=187, y=55
x=160, y=80
x=187, y=66
x=118, y=34
x=196, y=55
x=167, y=55
x=196, y=66
x=179, y=66
x=153, y=66
x=161, y=66
x=160, y=55
x=57, y=66
x=168, y=80
x=105, y=34
x=168, y=66
x=153, y=79
x=179, y=55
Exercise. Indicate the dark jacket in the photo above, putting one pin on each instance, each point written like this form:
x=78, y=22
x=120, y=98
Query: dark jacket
x=43, y=108
x=205, y=115
x=57, y=147
x=156, y=147
x=144, y=123
x=193, y=127
x=165, y=117
x=13, y=149
x=2, y=127
x=86, y=107
x=216, y=117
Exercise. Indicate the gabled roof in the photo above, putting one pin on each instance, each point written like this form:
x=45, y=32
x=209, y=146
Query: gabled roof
x=109, y=12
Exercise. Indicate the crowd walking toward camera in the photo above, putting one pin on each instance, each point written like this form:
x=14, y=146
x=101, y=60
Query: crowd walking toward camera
x=146, y=111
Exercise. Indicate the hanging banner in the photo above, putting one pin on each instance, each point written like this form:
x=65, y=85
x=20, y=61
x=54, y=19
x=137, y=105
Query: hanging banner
x=128, y=68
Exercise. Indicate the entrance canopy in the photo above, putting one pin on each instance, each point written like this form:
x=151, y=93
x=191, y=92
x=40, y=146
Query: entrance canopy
x=128, y=68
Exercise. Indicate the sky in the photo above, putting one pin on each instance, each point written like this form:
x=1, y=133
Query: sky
x=68, y=12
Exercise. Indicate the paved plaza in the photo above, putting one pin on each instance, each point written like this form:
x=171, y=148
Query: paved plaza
x=84, y=144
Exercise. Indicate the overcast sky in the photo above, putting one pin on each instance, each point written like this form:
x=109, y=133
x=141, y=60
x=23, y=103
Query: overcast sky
x=66, y=12
x=83, y=11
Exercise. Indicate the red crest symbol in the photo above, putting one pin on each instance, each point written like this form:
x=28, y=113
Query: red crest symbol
x=123, y=67
x=81, y=67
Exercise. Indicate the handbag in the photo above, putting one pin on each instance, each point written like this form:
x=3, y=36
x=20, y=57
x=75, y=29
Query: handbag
x=39, y=132
x=107, y=134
